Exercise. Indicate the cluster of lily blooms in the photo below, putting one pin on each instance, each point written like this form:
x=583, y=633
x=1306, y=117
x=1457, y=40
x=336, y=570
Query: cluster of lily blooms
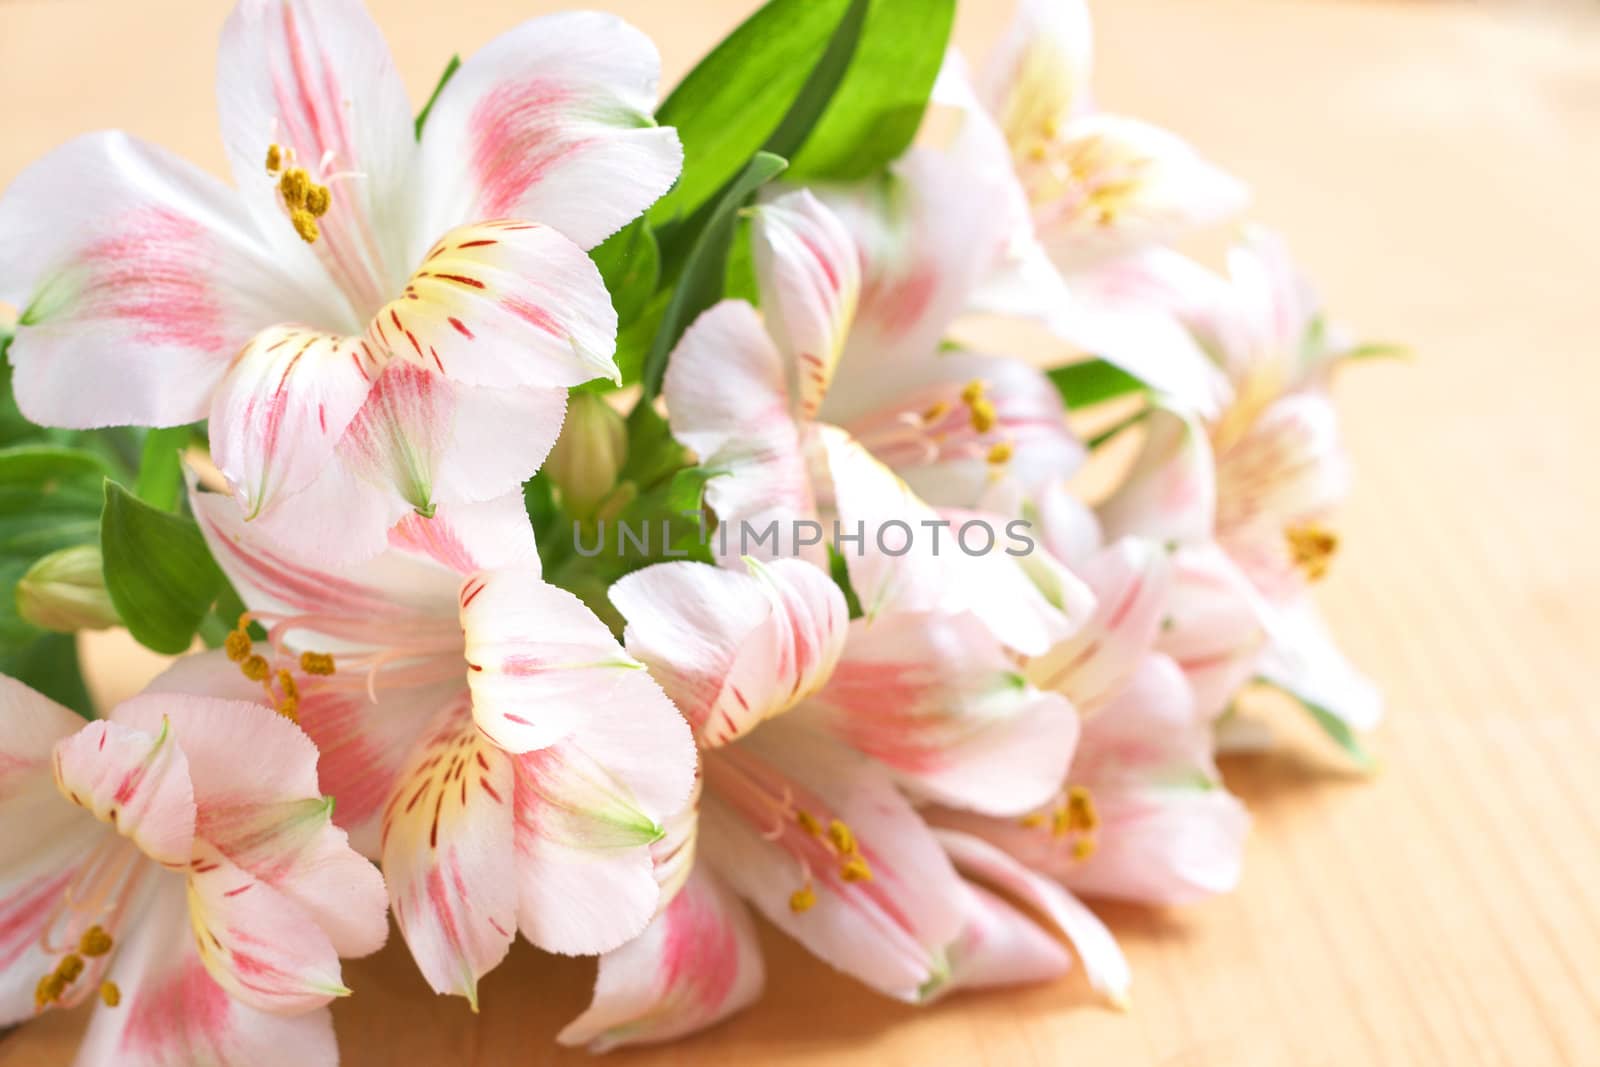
x=921, y=781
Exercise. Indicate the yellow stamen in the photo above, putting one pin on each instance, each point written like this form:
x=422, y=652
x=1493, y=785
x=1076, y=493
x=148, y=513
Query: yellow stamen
x=255, y=668
x=70, y=967
x=935, y=412
x=317, y=200
x=316, y=663
x=293, y=187
x=49, y=990
x=1060, y=823
x=1032, y=821
x=1000, y=453
x=305, y=224
x=842, y=838
x=1081, y=811
x=808, y=822
x=110, y=995
x=803, y=899
x=237, y=645
x=274, y=159
x=289, y=708
x=1312, y=548
x=972, y=391
x=983, y=415
x=95, y=942
x=286, y=682
x=855, y=869
x=1083, y=847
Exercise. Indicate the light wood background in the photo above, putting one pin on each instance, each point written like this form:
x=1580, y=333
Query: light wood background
x=1437, y=165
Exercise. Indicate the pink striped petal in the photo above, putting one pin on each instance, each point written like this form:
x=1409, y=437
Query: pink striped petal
x=1000, y=946
x=315, y=78
x=137, y=782
x=540, y=663
x=137, y=278
x=257, y=943
x=1213, y=627
x=259, y=803
x=938, y=701
x=506, y=304
x=728, y=400
x=551, y=121
x=448, y=854
x=697, y=963
x=1103, y=961
x=733, y=649
x=174, y=1012
x=281, y=408
x=810, y=275
x=1131, y=580
x=888, y=930
x=469, y=537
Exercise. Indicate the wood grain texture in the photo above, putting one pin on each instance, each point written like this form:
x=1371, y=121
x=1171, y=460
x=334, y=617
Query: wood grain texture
x=1437, y=166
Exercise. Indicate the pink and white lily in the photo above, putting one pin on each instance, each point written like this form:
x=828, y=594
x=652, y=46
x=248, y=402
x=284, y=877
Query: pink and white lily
x=835, y=405
x=804, y=811
x=1249, y=492
x=487, y=739
x=178, y=862
x=369, y=315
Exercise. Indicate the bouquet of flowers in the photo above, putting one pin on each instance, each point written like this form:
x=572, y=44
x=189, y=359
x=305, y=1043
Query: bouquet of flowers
x=598, y=520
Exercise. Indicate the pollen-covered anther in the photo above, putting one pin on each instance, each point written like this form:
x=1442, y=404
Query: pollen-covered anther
x=95, y=942
x=305, y=224
x=305, y=201
x=1312, y=548
x=49, y=990
x=256, y=668
x=110, y=995
x=1034, y=820
x=70, y=967
x=1081, y=810
x=935, y=411
x=999, y=454
x=288, y=705
x=1084, y=847
x=855, y=869
x=808, y=822
x=318, y=663
x=274, y=159
x=237, y=645
x=841, y=837
x=803, y=899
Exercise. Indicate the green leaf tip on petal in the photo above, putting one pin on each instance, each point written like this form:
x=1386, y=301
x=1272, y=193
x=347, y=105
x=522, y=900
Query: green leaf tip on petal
x=433, y=98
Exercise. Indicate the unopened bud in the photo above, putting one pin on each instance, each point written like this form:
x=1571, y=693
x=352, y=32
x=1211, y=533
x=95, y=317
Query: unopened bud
x=588, y=455
x=66, y=592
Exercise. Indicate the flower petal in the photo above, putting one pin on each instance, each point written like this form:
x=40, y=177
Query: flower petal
x=697, y=963
x=1167, y=845
x=551, y=121
x=540, y=663
x=733, y=649
x=138, y=277
x=889, y=930
x=1170, y=492
x=1131, y=580
x=938, y=701
x=174, y=1012
x=1000, y=945
x=1303, y=659
x=256, y=942
x=810, y=276
x=447, y=854
x=282, y=406
x=1213, y=626
x=475, y=536
x=136, y=781
x=728, y=401
x=315, y=78
x=1039, y=72
x=504, y=303
x=1103, y=961
x=259, y=803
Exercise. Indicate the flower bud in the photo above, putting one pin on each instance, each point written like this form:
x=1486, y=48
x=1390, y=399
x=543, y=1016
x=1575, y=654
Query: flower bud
x=66, y=591
x=588, y=455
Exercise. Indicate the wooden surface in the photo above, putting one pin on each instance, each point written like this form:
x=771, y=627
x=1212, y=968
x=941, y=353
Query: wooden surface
x=1437, y=166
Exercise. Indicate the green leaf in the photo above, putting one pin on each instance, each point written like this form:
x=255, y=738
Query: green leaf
x=630, y=264
x=159, y=573
x=1378, y=350
x=878, y=108
x=49, y=663
x=839, y=568
x=1336, y=728
x=160, y=481
x=49, y=500
x=738, y=97
x=1093, y=381
x=433, y=98
x=46, y=465
x=705, y=269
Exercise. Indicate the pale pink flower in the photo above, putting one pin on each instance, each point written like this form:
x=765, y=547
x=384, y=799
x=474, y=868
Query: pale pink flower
x=814, y=731
x=367, y=317
x=486, y=738
x=177, y=861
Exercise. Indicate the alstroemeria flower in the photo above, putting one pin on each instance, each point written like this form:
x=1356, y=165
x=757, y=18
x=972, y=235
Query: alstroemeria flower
x=1142, y=814
x=800, y=814
x=485, y=736
x=178, y=862
x=367, y=315
x=836, y=404
x=1251, y=490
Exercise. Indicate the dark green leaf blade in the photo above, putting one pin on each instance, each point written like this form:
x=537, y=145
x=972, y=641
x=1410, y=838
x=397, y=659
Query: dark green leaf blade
x=49, y=664
x=704, y=271
x=160, y=480
x=1093, y=381
x=159, y=572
